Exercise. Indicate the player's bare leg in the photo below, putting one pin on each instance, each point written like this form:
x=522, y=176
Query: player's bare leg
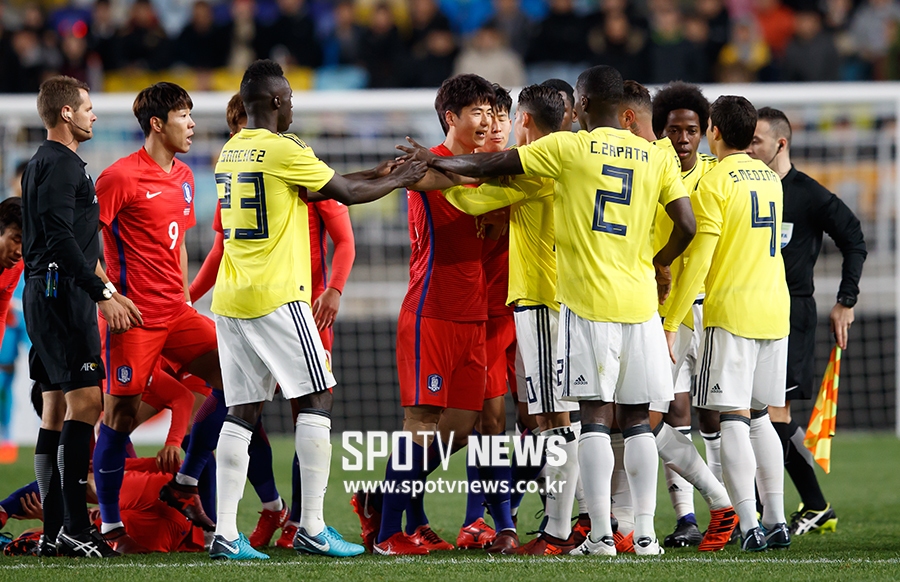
x=207, y=367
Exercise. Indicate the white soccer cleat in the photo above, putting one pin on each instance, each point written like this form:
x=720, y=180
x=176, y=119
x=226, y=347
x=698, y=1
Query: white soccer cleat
x=605, y=547
x=647, y=547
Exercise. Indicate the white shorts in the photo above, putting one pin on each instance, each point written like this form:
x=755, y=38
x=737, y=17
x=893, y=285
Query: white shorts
x=537, y=331
x=627, y=363
x=686, y=348
x=282, y=347
x=737, y=373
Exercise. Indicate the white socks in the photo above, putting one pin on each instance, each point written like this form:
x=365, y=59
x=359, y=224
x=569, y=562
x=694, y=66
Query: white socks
x=313, y=443
x=713, y=443
x=680, y=455
x=232, y=459
x=770, y=469
x=642, y=466
x=579, y=486
x=595, y=457
x=183, y=479
x=681, y=492
x=739, y=468
x=622, y=507
x=559, y=503
x=276, y=505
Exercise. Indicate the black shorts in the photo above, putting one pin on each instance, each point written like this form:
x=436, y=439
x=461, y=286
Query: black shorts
x=801, y=349
x=65, y=352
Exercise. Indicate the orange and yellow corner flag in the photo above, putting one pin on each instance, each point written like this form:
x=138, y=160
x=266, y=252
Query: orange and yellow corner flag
x=824, y=415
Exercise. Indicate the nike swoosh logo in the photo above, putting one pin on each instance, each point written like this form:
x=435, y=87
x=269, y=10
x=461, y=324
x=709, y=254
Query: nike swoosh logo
x=366, y=511
x=154, y=195
x=82, y=481
x=231, y=550
x=323, y=547
x=113, y=471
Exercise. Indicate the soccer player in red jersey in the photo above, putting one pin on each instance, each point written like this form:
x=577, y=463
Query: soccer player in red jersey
x=11, y=264
x=146, y=205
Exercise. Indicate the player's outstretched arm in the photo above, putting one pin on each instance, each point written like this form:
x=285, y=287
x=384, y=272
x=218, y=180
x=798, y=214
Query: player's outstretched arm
x=487, y=165
x=689, y=283
x=360, y=191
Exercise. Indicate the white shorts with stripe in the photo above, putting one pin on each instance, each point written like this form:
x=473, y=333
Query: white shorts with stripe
x=738, y=373
x=687, y=349
x=281, y=347
x=627, y=363
x=537, y=332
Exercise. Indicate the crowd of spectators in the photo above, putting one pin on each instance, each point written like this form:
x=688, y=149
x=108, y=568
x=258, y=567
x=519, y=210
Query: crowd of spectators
x=419, y=43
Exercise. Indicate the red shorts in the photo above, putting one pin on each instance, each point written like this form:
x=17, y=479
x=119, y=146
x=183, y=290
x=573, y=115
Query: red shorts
x=500, y=348
x=151, y=522
x=441, y=363
x=131, y=357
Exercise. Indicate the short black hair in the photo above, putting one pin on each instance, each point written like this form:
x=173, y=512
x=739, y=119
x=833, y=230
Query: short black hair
x=157, y=101
x=603, y=85
x=502, y=99
x=636, y=96
x=679, y=95
x=544, y=104
x=778, y=121
x=736, y=118
x=11, y=213
x=459, y=92
x=561, y=85
x=259, y=80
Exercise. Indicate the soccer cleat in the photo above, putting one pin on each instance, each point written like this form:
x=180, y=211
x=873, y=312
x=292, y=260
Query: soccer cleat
x=5, y=539
x=239, y=549
x=646, y=547
x=24, y=545
x=327, y=543
x=87, y=544
x=754, y=541
x=286, y=540
x=804, y=521
x=722, y=524
x=46, y=548
x=582, y=528
x=685, y=534
x=269, y=521
x=546, y=545
x=506, y=542
x=624, y=543
x=119, y=540
x=605, y=547
x=369, y=518
x=186, y=500
x=778, y=537
x=399, y=544
x=425, y=537
x=475, y=536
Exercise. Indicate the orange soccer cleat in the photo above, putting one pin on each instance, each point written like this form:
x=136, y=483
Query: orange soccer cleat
x=475, y=536
x=721, y=525
x=269, y=521
x=425, y=537
x=399, y=544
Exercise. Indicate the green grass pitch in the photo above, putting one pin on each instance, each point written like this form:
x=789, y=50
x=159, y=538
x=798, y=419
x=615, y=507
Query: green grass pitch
x=863, y=487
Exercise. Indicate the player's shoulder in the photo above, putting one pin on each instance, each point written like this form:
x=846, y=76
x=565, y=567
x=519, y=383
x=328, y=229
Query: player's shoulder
x=123, y=170
x=292, y=141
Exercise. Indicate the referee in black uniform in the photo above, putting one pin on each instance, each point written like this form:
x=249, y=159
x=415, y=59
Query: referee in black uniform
x=61, y=248
x=809, y=210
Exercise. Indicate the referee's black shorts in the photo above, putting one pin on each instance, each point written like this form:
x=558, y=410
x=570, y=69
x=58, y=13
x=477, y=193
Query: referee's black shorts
x=65, y=351
x=801, y=349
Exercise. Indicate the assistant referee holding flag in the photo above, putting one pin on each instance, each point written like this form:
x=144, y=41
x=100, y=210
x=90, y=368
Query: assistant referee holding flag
x=809, y=210
x=61, y=247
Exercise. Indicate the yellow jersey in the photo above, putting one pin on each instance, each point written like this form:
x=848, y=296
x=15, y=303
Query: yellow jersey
x=266, y=264
x=739, y=202
x=532, y=255
x=608, y=185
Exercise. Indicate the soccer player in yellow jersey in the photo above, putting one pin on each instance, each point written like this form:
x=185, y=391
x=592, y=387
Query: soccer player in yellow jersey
x=264, y=325
x=608, y=184
x=532, y=290
x=746, y=317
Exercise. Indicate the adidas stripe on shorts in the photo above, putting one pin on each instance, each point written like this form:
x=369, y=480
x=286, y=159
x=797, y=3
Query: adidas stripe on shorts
x=537, y=332
x=627, y=363
x=281, y=347
x=737, y=373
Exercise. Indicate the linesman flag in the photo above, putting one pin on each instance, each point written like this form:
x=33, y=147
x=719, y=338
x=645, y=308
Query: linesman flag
x=824, y=415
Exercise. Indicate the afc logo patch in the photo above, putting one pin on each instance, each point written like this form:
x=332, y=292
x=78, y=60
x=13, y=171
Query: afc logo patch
x=188, y=193
x=434, y=382
x=123, y=374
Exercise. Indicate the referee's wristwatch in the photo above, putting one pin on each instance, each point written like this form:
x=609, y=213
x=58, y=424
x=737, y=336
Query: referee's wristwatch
x=846, y=300
x=107, y=294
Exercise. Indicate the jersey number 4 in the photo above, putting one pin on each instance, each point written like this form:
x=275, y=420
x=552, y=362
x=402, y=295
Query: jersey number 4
x=757, y=221
x=256, y=203
x=605, y=197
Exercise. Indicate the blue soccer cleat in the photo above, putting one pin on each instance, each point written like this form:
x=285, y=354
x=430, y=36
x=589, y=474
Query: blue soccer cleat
x=239, y=549
x=779, y=537
x=754, y=541
x=327, y=543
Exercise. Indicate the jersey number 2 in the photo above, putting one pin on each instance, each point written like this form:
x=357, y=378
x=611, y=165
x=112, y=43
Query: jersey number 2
x=256, y=203
x=605, y=197
x=757, y=221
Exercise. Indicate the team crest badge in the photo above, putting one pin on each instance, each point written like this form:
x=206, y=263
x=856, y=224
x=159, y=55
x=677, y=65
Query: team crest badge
x=435, y=382
x=123, y=374
x=188, y=193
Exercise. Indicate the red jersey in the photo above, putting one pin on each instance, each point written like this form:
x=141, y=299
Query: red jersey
x=446, y=277
x=9, y=278
x=332, y=218
x=496, y=274
x=145, y=213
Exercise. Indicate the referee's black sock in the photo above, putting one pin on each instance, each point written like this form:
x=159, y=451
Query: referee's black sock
x=46, y=472
x=74, y=458
x=800, y=467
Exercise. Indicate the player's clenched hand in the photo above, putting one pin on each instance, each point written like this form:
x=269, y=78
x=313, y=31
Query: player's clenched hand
x=670, y=339
x=31, y=507
x=168, y=459
x=417, y=152
x=410, y=172
x=134, y=313
x=663, y=282
x=325, y=308
x=116, y=315
x=841, y=318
